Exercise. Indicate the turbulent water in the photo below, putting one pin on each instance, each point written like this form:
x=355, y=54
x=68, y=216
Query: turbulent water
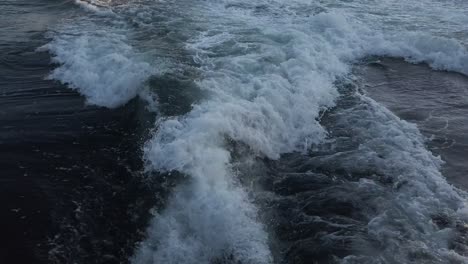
x=265, y=142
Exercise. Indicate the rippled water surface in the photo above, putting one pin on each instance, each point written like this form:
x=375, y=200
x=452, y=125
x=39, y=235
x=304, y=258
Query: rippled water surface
x=179, y=131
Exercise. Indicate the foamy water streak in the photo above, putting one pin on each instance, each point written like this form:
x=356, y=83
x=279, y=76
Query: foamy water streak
x=267, y=94
x=404, y=223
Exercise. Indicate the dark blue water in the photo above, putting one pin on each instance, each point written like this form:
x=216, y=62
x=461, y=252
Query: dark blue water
x=232, y=132
x=70, y=187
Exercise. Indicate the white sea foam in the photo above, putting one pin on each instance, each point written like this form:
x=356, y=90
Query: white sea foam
x=392, y=147
x=98, y=63
x=96, y=6
x=204, y=222
x=440, y=53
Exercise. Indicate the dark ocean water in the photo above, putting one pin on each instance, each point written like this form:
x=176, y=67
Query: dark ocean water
x=233, y=132
x=70, y=173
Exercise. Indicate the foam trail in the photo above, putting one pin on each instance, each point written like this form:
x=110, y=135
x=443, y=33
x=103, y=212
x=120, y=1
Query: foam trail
x=267, y=94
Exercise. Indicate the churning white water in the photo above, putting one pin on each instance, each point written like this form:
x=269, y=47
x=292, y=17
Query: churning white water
x=267, y=71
